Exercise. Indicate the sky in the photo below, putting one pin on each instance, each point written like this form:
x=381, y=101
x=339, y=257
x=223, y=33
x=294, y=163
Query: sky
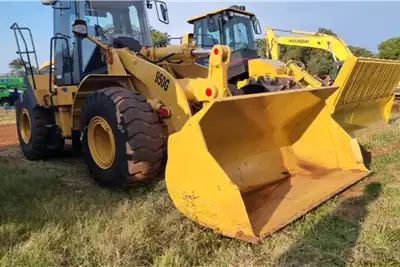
x=363, y=24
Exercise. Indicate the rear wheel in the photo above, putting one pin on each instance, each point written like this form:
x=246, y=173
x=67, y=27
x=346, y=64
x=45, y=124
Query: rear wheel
x=122, y=138
x=35, y=131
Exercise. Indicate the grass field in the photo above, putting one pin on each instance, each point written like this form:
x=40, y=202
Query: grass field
x=51, y=214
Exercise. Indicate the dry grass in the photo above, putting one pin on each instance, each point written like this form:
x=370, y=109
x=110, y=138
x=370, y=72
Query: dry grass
x=7, y=116
x=51, y=214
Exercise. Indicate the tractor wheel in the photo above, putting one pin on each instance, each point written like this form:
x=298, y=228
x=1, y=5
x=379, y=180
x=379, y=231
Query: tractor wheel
x=122, y=140
x=6, y=104
x=36, y=138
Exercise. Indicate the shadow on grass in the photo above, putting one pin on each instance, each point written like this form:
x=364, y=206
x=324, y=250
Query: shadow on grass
x=331, y=240
x=367, y=156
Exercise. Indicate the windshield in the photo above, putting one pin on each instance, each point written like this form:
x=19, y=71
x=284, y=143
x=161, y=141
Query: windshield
x=119, y=18
x=234, y=29
x=204, y=38
x=238, y=32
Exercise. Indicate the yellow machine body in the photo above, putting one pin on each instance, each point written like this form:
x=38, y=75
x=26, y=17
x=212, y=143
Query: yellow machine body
x=367, y=86
x=244, y=166
x=364, y=100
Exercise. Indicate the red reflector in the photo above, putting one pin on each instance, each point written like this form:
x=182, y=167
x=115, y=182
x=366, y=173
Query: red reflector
x=109, y=57
x=208, y=92
x=216, y=51
x=164, y=112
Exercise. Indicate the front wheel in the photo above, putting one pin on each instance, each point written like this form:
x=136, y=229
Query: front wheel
x=122, y=140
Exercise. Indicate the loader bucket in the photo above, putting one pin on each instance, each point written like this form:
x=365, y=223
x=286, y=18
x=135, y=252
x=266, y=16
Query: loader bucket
x=365, y=97
x=246, y=166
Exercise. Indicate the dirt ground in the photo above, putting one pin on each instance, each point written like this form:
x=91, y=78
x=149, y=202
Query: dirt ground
x=8, y=135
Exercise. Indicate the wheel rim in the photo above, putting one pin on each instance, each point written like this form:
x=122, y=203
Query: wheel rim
x=101, y=142
x=25, y=125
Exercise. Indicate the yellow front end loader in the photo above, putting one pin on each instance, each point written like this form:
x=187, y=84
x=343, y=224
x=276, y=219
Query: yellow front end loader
x=244, y=166
x=366, y=85
x=365, y=96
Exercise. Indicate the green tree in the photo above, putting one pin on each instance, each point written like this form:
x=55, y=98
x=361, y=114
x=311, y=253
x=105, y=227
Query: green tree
x=17, y=67
x=389, y=49
x=261, y=47
x=326, y=31
x=318, y=62
x=360, y=52
x=159, y=37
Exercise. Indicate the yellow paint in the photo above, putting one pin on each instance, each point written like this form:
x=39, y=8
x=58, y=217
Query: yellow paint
x=46, y=64
x=366, y=85
x=302, y=76
x=101, y=142
x=192, y=20
x=178, y=90
x=63, y=120
x=220, y=58
x=261, y=67
x=366, y=92
x=116, y=67
x=279, y=155
x=322, y=41
x=42, y=92
x=25, y=125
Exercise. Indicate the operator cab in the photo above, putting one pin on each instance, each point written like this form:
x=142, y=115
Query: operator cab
x=232, y=26
x=115, y=23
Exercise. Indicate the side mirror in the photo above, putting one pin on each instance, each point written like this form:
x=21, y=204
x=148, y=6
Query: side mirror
x=162, y=11
x=79, y=28
x=256, y=25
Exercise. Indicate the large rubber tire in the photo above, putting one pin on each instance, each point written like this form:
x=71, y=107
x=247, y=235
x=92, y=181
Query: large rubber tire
x=137, y=133
x=43, y=141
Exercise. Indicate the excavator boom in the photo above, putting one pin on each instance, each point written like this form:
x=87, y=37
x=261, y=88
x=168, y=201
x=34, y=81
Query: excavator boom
x=332, y=44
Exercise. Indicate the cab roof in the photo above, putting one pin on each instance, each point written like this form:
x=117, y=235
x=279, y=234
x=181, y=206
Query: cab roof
x=192, y=20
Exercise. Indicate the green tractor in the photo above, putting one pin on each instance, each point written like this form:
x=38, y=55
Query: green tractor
x=10, y=89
